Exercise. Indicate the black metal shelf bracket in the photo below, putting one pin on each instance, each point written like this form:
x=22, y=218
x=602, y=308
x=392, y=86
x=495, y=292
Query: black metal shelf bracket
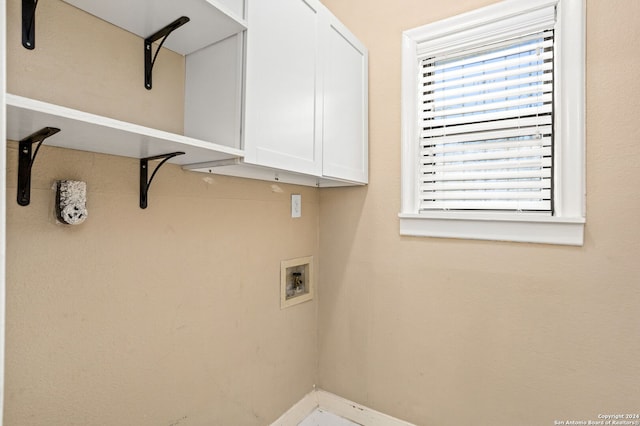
x=163, y=33
x=144, y=170
x=25, y=161
x=29, y=23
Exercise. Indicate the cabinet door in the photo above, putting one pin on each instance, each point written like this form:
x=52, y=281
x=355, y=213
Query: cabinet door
x=282, y=85
x=345, y=111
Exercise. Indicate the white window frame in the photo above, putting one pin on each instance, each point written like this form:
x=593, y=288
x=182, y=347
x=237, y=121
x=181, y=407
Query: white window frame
x=566, y=226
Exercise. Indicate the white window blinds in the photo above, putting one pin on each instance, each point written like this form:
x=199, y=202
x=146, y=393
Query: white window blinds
x=486, y=117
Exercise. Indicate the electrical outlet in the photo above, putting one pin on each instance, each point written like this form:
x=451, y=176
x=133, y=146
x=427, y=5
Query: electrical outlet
x=296, y=205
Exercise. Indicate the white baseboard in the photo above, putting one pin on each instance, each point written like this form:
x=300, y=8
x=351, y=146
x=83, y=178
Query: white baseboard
x=336, y=405
x=299, y=411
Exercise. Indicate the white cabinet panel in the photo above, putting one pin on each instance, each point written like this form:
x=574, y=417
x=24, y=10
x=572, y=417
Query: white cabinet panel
x=345, y=122
x=282, y=78
x=213, y=88
x=235, y=7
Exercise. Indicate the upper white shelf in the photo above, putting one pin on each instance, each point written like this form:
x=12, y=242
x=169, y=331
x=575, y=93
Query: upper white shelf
x=94, y=133
x=209, y=22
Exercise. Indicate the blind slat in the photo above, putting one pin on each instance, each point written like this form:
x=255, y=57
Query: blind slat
x=489, y=106
x=538, y=68
x=506, y=184
x=496, y=165
x=493, y=205
x=443, y=151
x=486, y=136
x=489, y=96
x=472, y=89
x=488, y=175
x=489, y=68
x=534, y=147
x=513, y=155
x=514, y=123
x=488, y=195
x=489, y=116
x=467, y=57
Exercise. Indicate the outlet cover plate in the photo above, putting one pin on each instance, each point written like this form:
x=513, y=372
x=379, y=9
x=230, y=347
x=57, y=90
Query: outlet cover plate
x=296, y=205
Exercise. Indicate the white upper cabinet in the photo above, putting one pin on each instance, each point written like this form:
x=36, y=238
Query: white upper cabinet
x=345, y=139
x=274, y=90
x=306, y=92
x=281, y=125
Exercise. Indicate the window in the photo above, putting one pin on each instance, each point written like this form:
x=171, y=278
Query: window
x=493, y=124
x=485, y=132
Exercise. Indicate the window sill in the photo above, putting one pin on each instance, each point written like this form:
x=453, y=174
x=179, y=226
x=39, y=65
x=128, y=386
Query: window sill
x=526, y=228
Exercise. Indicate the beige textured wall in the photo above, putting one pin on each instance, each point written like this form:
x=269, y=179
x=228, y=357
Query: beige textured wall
x=85, y=63
x=452, y=332
x=164, y=316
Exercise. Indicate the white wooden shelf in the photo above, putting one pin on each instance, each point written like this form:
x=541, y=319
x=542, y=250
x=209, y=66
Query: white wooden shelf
x=210, y=21
x=94, y=133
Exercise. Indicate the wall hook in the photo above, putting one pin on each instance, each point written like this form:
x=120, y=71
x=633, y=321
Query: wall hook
x=25, y=161
x=144, y=169
x=29, y=23
x=163, y=33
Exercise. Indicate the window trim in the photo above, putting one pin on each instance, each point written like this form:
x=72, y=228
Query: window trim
x=567, y=224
